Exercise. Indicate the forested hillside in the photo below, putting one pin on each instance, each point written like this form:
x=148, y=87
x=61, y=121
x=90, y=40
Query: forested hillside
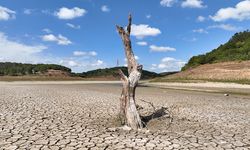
x=236, y=49
x=113, y=72
x=16, y=69
x=19, y=69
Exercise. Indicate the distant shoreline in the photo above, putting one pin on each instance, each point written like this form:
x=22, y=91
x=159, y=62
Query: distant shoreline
x=50, y=78
x=210, y=87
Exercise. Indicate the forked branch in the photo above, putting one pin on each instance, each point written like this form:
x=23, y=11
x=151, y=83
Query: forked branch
x=125, y=35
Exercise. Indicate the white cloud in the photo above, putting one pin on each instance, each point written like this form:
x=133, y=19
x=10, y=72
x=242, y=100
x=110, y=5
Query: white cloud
x=190, y=39
x=155, y=48
x=105, y=8
x=142, y=30
x=136, y=57
x=6, y=13
x=67, y=13
x=73, y=26
x=226, y=27
x=97, y=63
x=83, y=53
x=61, y=40
x=192, y=4
x=240, y=12
x=92, y=53
x=142, y=43
x=12, y=51
x=27, y=11
x=78, y=64
x=46, y=30
x=200, y=19
x=70, y=63
x=169, y=64
x=73, y=63
x=167, y=3
x=200, y=31
x=148, y=16
x=153, y=67
x=46, y=11
x=79, y=53
x=18, y=52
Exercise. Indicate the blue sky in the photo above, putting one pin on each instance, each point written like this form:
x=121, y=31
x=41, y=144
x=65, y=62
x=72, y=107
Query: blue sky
x=81, y=34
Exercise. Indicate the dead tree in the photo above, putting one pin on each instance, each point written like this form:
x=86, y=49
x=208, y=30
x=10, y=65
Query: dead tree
x=128, y=110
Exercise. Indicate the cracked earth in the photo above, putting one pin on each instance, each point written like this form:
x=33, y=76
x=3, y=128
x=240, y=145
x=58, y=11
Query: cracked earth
x=84, y=116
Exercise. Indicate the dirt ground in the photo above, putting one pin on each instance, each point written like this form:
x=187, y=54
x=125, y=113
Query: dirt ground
x=84, y=116
x=235, y=70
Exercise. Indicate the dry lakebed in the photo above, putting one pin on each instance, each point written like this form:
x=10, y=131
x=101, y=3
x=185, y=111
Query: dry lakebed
x=83, y=115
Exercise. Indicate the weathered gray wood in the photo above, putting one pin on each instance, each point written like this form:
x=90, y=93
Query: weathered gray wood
x=128, y=109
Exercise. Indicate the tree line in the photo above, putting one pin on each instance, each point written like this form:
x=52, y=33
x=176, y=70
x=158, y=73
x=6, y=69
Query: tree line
x=16, y=69
x=113, y=72
x=19, y=69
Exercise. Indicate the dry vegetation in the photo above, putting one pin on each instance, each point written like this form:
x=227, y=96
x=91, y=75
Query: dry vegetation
x=236, y=71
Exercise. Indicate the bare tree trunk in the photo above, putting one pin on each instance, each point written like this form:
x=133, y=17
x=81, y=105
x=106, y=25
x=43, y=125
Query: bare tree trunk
x=128, y=109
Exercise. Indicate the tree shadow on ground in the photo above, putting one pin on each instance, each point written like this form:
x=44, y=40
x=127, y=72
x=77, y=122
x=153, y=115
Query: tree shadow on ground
x=157, y=114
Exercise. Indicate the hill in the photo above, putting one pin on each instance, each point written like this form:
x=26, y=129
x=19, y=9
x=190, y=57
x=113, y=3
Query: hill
x=234, y=71
x=112, y=73
x=229, y=62
x=236, y=49
x=19, y=69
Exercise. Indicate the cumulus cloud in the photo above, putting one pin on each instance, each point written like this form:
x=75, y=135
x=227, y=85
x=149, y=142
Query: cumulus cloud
x=226, y=27
x=143, y=30
x=73, y=26
x=67, y=13
x=155, y=48
x=17, y=51
x=73, y=64
x=167, y=3
x=70, y=63
x=240, y=12
x=200, y=19
x=13, y=51
x=83, y=53
x=142, y=43
x=192, y=4
x=97, y=63
x=60, y=40
x=6, y=13
x=78, y=64
x=200, y=31
x=168, y=64
x=105, y=8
